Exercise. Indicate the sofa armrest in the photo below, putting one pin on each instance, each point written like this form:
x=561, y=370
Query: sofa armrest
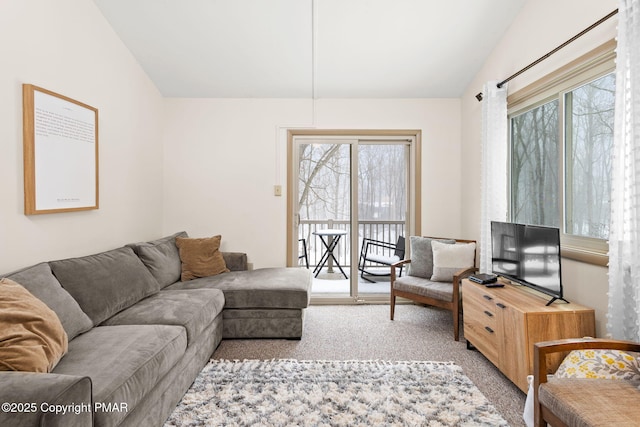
x=38, y=399
x=236, y=261
x=542, y=349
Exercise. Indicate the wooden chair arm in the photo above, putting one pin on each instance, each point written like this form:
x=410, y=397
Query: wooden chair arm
x=401, y=263
x=461, y=274
x=542, y=349
x=397, y=265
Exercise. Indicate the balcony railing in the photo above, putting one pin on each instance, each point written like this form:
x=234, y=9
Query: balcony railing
x=386, y=231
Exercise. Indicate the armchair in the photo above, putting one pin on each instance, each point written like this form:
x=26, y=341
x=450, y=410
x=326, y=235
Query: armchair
x=435, y=275
x=583, y=401
x=373, y=252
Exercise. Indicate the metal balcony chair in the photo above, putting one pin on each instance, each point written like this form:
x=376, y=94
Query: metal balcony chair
x=304, y=252
x=373, y=251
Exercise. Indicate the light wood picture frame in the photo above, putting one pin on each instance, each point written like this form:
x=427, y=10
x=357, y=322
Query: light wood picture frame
x=60, y=142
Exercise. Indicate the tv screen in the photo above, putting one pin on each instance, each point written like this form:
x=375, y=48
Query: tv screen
x=529, y=255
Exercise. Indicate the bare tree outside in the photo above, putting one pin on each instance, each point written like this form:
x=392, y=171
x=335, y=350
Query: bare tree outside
x=324, y=182
x=382, y=182
x=534, y=166
x=325, y=189
x=590, y=116
x=536, y=147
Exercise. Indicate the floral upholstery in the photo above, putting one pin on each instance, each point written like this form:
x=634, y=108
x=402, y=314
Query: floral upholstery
x=600, y=364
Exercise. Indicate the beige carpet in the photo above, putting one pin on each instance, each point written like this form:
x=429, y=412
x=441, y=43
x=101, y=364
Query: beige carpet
x=364, y=332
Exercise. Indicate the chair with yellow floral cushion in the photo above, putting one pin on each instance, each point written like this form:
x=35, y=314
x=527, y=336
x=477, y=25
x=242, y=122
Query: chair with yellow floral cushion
x=595, y=385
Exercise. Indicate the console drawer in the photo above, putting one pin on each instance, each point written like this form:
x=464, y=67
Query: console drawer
x=480, y=322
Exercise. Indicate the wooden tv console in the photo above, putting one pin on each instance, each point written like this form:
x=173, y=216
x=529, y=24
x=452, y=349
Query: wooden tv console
x=504, y=323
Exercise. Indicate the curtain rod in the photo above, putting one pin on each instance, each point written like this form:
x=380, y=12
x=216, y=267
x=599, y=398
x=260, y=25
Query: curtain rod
x=548, y=54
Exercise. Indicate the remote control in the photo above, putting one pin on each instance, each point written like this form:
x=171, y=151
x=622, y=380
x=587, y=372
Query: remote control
x=495, y=285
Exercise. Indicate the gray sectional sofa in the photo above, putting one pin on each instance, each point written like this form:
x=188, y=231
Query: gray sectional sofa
x=138, y=336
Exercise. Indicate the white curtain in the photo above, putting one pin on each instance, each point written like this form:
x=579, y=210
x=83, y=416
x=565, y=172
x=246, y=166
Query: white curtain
x=493, y=181
x=624, y=235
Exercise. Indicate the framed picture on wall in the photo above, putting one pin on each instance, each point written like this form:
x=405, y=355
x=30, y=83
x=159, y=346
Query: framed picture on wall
x=60, y=153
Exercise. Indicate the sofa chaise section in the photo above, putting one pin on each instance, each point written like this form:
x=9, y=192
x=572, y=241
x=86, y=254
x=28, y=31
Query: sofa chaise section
x=261, y=303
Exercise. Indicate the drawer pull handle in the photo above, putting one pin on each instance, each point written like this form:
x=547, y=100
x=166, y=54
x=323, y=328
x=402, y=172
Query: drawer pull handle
x=489, y=329
x=501, y=305
x=487, y=297
x=488, y=313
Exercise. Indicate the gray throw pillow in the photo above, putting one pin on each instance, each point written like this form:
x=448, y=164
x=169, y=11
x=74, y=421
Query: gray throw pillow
x=105, y=283
x=162, y=258
x=39, y=280
x=422, y=256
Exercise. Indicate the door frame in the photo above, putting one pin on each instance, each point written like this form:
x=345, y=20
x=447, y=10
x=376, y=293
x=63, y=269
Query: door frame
x=415, y=179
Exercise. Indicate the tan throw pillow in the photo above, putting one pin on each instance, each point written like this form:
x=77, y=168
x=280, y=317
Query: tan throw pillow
x=200, y=257
x=32, y=338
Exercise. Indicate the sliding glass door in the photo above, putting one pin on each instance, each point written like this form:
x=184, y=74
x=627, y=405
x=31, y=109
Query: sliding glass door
x=347, y=191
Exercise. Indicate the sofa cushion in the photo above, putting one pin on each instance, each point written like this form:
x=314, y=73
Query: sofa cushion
x=235, y=261
x=32, y=338
x=105, y=283
x=422, y=256
x=592, y=402
x=161, y=257
x=40, y=281
x=449, y=259
x=194, y=309
x=124, y=363
x=278, y=287
x=201, y=257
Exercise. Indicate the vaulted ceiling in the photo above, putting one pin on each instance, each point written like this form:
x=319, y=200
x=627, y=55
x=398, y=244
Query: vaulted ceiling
x=310, y=48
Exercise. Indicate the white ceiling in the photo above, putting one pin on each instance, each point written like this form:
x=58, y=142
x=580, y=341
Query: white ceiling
x=311, y=48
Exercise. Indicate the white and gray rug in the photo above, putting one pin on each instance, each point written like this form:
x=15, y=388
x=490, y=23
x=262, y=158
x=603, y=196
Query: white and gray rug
x=333, y=393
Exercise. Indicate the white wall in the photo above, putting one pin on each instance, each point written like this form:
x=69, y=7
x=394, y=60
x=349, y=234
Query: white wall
x=223, y=157
x=67, y=46
x=541, y=26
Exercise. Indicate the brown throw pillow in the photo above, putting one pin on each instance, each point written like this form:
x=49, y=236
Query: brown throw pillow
x=32, y=338
x=200, y=257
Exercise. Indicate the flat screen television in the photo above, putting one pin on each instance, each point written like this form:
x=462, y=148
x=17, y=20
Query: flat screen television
x=528, y=255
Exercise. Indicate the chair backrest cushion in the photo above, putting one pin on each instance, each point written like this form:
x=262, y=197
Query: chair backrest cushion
x=422, y=255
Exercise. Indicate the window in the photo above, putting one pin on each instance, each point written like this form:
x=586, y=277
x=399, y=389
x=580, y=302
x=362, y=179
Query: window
x=561, y=137
x=534, y=166
x=589, y=141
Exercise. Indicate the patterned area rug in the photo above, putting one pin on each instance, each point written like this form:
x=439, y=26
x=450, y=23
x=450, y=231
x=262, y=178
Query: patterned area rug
x=333, y=393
